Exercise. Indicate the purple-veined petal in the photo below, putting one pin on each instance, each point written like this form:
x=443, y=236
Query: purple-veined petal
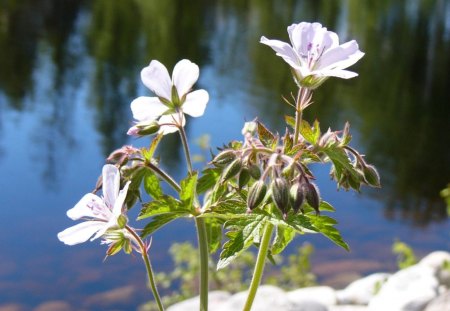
x=147, y=108
x=156, y=77
x=185, y=74
x=111, y=184
x=195, y=103
x=80, y=232
x=340, y=57
x=338, y=73
x=283, y=50
x=90, y=205
x=168, y=122
x=117, y=210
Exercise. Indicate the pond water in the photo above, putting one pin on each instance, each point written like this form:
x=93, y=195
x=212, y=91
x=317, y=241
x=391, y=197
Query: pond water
x=69, y=70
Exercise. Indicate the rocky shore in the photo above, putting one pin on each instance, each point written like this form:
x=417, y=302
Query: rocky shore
x=422, y=287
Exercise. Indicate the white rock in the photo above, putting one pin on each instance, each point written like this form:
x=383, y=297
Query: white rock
x=348, y=308
x=407, y=290
x=361, y=291
x=321, y=294
x=215, y=300
x=269, y=298
x=436, y=261
x=441, y=303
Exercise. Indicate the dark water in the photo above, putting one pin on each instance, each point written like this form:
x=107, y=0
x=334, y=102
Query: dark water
x=69, y=69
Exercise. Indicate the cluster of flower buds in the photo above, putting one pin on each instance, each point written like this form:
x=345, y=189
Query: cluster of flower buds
x=269, y=176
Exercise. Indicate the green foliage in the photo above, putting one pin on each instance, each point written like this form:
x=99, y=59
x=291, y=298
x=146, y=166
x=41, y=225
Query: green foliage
x=445, y=194
x=405, y=254
x=310, y=133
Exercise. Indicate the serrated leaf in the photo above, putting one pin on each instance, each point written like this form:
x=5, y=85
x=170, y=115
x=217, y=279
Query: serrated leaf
x=161, y=220
x=148, y=153
x=244, y=231
x=325, y=225
x=208, y=180
x=311, y=134
x=325, y=206
x=288, y=143
x=187, y=193
x=164, y=204
x=284, y=235
x=290, y=121
x=152, y=185
x=340, y=160
x=214, y=233
x=267, y=138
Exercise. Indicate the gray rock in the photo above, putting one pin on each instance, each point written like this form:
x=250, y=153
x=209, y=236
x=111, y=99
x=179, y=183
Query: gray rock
x=407, y=290
x=361, y=291
x=215, y=300
x=440, y=303
x=436, y=261
x=324, y=295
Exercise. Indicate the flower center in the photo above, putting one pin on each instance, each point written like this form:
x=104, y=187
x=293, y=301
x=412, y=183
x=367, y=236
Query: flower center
x=312, y=55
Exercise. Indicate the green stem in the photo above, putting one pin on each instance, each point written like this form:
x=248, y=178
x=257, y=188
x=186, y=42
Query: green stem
x=298, y=115
x=204, y=258
x=259, y=268
x=148, y=267
x=164, y=176
x=201, y=236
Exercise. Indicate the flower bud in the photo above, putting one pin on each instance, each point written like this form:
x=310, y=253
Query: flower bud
x=224, y=158
x=256, y=194
x=144, y=129
x=280, y=194
x=122, y=221
x=254, y=171
x=114, y=248
x=232, y=169
x=244, y=178
x=297, y=197
x=371, y=176
x=312, y=196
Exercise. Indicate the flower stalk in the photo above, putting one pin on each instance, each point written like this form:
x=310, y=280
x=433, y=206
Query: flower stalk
x=259, y=267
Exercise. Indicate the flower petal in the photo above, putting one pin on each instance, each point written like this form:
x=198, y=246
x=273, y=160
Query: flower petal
x=111, y=184
x=184, y=75
x=156, y=77
x=170, y=122
x=338, y=73
x=90, y=205
x=340, y=57
x=117, y=210
x=80, y=232
x=283, y=50
x=195, y=103
x=147, y=108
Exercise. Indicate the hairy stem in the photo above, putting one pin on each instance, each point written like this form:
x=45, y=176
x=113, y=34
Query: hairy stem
x=298, y=115
x=148, y=266
x=259, y=268
x=164, y=176
x=201, y=235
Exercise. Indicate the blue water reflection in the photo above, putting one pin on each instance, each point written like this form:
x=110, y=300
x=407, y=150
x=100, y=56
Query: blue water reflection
x=69, y=72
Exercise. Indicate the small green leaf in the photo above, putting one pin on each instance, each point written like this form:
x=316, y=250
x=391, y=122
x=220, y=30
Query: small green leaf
x=311, y=134
x=325, y=206
x=288, y=143
x=267, y=138
x=290, y=121
x=187, y=193
x=160, y=221
x=325, y=225
x=284, y=235
x=152, y=185
x=164, y=204
x=208, y=180
x=340, y=160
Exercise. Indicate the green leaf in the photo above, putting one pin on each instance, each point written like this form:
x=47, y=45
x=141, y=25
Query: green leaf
x=152, y=185
x=290, y=121
x=214, y=233
x=325, y=225
x=208, y=180
x=288, y=143
x=284, y=235
x=325, y=206
x=340, y=160
x=164, y=204
x=311, y=134
x=187, y=193
x=267, y=138
x=160, y=221
x=244, y=232
x=148, y=153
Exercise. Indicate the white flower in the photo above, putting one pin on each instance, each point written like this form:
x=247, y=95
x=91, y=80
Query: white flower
x=315, y=54
x=173, y=100
x=102, y=213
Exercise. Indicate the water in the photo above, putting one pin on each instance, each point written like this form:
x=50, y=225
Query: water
x=68, y=71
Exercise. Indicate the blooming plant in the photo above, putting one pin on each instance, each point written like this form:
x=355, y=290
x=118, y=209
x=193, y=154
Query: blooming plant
x=258, y=191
